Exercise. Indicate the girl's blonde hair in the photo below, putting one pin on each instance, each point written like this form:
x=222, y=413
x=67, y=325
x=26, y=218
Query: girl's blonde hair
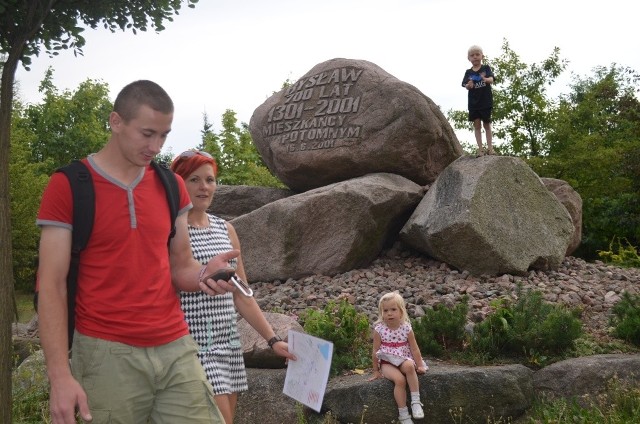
x=393, y=296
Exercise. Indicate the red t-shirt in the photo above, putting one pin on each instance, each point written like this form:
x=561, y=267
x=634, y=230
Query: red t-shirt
x=124, y=290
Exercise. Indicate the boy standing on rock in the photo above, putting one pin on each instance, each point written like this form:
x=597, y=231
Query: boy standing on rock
x=477, y=80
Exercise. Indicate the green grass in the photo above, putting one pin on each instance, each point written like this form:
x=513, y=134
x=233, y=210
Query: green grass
x=619, y=405
x=24, y=302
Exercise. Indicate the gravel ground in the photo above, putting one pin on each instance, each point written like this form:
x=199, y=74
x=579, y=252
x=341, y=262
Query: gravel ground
x=592, y=287
x=423, y=282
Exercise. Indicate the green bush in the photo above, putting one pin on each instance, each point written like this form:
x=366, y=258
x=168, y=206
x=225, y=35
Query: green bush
x=626, y=318
x=544, y=327
x=441, y=329
x=626, y=256
x=347, y=329
x=530, y=327
x=491, y=335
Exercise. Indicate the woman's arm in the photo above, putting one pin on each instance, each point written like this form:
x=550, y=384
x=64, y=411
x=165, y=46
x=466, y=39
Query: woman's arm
x=249, y=308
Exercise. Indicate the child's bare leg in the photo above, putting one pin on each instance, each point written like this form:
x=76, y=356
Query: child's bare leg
x=489, y=135
x=477, y=127
x=408, y=368
x=391, y=372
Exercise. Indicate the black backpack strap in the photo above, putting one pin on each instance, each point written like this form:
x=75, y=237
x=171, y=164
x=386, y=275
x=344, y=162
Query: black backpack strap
x=83, y=214
x=170, y=184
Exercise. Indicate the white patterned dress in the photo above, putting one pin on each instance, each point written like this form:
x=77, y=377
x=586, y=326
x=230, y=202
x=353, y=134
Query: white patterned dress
x=394, y=346
x=212, y=319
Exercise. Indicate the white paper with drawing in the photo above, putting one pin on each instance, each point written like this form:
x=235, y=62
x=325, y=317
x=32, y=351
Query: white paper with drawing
x=307, y=376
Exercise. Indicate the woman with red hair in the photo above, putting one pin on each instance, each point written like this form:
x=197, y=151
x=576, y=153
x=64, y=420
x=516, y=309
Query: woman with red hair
x=212, y=319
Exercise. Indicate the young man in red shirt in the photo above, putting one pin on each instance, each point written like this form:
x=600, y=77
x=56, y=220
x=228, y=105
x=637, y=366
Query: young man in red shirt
x=133, y=359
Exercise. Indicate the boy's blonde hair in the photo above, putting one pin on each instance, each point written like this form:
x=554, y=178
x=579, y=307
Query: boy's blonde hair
x=475, y=49
x=393, y=297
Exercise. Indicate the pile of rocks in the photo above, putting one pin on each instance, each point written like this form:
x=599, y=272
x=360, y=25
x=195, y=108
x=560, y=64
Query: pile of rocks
x=593, y=288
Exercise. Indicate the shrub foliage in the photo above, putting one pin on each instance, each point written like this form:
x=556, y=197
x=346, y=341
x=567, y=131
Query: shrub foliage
x=527, y=328
x=626, y=318
x=530, y=327
x=346, y=328
x=441, y=330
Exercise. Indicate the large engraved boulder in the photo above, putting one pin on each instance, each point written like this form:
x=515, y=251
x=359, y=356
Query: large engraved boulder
x=348, y=118
x=490, y=215
x=328, y=230
x=572, y=201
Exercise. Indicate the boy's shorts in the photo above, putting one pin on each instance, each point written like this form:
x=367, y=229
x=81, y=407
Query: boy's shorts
x=128, y=384
x=482, y=114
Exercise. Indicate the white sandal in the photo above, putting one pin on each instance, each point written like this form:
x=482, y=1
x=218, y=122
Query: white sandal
x=416, y=409
x=405, y=419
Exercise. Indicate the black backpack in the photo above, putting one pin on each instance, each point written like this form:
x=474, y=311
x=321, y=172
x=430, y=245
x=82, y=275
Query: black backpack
x=83, y=214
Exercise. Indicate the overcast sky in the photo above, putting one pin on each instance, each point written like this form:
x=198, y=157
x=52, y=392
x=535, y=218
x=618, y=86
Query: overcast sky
x=233, y=54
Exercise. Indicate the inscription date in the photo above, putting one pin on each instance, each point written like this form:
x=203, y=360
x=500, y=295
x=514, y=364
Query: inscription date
x=321, y=108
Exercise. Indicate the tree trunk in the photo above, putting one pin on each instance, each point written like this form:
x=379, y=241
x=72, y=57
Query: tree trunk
x=7, y=304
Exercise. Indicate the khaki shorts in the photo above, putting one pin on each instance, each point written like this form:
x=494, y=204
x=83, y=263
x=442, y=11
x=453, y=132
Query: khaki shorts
x=160, y=385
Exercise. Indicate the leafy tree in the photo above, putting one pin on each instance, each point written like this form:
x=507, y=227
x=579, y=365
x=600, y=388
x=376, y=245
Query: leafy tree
x=46, y=136
x=27, y=183
x=522, y=109
x=210, y=141
x=238, y=160
x=165, y=158
x=26, y=28
x=594, y=145
x=68, y=125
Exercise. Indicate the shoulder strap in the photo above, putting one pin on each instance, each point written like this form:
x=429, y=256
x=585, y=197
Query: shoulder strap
x=170, y=184
x=83, y=196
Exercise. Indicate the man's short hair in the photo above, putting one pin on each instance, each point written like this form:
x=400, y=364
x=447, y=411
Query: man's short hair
x=141, y=93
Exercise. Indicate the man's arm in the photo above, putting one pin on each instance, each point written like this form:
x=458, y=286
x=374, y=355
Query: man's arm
x=187, y=273
x=54, y=256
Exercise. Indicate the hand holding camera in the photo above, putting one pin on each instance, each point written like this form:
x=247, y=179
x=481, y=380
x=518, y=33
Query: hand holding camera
x=229, y=275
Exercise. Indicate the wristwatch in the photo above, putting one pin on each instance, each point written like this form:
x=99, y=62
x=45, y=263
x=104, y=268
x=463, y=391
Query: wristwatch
x=273, y=340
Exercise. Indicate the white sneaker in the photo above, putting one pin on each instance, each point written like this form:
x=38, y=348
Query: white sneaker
x=406, y=419
x=416, y=410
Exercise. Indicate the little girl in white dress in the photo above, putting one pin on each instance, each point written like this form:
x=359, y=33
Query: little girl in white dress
x=396, y=355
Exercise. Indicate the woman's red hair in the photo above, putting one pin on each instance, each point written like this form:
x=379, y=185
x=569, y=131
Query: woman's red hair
x=185, y=166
